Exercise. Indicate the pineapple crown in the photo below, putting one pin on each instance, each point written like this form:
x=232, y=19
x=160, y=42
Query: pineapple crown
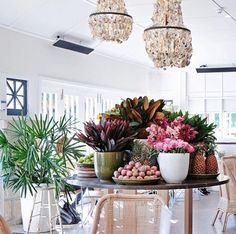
x=142, y=149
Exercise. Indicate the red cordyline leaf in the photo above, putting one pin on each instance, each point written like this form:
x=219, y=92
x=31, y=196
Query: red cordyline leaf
x=109, y=135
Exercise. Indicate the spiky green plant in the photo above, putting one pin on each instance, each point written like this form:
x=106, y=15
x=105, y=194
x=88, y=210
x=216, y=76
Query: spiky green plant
x=108, y=135
x=137, y=147
x=142, y=149
x=29, y=153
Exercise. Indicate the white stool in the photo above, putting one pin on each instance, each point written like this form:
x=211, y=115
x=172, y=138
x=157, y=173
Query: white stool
x=45, y=199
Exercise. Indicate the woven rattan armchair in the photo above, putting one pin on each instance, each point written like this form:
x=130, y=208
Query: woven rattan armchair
x=133, y=214
x=227, y=203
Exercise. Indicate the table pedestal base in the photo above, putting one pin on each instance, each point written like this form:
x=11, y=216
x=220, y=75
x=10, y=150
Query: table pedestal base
x=188, y=211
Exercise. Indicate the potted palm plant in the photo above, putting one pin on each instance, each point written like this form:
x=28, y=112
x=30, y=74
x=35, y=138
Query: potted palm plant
x=36, y=153
x=109, y=139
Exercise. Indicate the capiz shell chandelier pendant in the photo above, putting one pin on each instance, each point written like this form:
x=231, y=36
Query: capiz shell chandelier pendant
x=111, y=21
x=168, y=42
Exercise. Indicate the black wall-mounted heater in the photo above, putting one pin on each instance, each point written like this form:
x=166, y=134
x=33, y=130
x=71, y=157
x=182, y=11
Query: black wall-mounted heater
x=72, y=46
x=205, y=69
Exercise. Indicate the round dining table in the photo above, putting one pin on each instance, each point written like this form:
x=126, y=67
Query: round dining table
x=187, y=185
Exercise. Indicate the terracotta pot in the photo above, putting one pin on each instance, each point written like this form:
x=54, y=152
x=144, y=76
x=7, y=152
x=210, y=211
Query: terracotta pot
x=106, y=163
x=173, y=166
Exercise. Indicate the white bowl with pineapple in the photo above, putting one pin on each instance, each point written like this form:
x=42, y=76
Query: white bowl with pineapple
x=136, y=173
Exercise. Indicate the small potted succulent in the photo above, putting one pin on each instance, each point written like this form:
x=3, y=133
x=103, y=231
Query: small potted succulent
x=109, y=139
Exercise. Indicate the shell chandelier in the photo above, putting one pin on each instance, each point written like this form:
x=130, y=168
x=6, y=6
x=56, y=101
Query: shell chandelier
x=111, y=21
x=168, y=42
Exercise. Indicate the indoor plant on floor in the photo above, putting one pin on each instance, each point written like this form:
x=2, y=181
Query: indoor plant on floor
x=35, y=153
x=109, y=139
x=170, y=139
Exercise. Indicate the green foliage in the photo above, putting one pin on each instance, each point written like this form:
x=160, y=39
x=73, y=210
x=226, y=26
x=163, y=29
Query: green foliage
x=38, y=151
x=137, y=147
x=143, y=150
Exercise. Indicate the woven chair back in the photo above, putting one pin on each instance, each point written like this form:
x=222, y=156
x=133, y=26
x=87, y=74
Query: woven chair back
x=133, y=214
x=229, y=169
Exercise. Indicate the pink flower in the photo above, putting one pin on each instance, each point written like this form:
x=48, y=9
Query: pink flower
x=190, y=148
x=165, y=147
x=171, y=136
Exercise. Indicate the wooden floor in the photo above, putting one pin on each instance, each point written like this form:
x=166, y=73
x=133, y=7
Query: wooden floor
x=204, y=208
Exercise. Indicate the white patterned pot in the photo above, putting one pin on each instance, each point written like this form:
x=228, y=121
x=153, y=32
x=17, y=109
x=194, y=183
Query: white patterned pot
x=174, y=166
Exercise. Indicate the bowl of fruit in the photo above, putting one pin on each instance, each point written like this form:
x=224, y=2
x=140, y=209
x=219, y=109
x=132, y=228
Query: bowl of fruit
x=85, y=167
x=86, y=161
x=136, y=173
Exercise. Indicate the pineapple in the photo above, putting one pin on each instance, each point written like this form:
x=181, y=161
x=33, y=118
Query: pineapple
x=147, y=162
x=142, y=153
x=211, y=164
x=198, y=164
x=137, y=151
x=149, y=156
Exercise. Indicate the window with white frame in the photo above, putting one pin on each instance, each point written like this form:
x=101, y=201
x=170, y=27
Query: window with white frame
x=78, y=101
x=214, y=95
x=49, y=104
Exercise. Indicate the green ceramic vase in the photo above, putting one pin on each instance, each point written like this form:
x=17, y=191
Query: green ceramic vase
x=106, y=163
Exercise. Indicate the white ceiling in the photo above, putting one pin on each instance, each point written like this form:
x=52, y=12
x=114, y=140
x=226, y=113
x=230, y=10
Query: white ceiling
x=213, y=34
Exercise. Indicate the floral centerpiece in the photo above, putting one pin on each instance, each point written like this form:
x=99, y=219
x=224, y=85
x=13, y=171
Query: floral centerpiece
x=109, y=139
x=203, y=160
x=171, y=140
x=171, y=136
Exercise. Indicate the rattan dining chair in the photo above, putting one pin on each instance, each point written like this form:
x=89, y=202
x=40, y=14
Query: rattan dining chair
x=227, y=203
x=133, y=214
x=4, y=229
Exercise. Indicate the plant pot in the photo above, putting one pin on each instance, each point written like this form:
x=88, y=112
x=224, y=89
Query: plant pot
x=106, y=163
x=173, y=166
x=44, y=193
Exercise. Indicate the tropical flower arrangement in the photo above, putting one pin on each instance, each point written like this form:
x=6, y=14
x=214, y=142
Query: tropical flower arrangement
x=139, y=112
x=171, y=136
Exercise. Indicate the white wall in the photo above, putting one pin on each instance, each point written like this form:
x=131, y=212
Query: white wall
x=25, y=57
x=201, y=93
x=169, y=84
